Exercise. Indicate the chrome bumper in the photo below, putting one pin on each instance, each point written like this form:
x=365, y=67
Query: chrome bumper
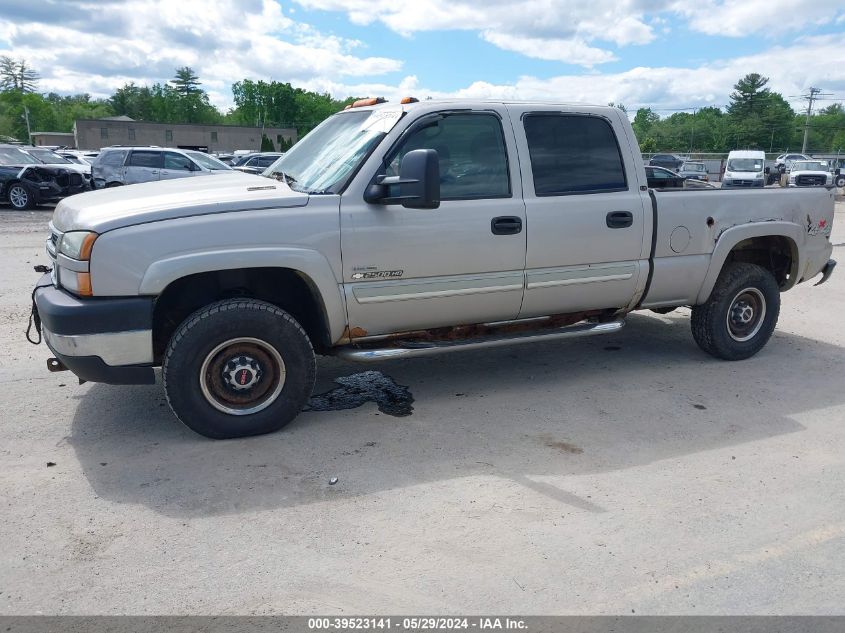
x=115, y=348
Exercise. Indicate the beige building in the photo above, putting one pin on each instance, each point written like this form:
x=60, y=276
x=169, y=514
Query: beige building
x=99, y=133
x=59, y=139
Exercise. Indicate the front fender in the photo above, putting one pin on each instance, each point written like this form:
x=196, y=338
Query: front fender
x=729, y=238
x=311, y=264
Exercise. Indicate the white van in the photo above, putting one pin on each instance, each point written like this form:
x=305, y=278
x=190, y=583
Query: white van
x=745, y=168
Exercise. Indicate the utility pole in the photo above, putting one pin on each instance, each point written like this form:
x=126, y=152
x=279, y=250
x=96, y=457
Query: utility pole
x=815, y=93
x=28, y=129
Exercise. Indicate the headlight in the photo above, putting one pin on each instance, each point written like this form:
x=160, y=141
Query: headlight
x=78, y=245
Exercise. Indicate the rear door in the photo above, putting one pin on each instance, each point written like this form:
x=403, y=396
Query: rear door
x=586, y=237
x=142, y=166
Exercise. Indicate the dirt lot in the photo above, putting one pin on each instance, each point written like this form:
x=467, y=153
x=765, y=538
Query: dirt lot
x=619, y=474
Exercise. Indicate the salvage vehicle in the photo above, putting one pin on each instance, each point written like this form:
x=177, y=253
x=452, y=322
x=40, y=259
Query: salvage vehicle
x=745, y=168
x=116, y=166
x=49, y=157
x=660, y=178
x=807, y=173
x=26, y=182
x=694, y=171
x=405, y=230
x=668, y=161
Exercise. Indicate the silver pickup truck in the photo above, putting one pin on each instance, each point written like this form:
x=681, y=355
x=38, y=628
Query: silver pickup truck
x=400, y=230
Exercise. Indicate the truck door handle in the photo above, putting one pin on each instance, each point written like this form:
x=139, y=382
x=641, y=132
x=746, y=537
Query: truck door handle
x=506, y=225
x=619, y=219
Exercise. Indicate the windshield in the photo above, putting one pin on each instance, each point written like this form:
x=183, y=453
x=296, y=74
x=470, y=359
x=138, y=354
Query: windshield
x=14, y=156
x=809, y=165
x=331, y=152
x=745, y=164
x=694, y=167
x=47, y=157
x=208, y=162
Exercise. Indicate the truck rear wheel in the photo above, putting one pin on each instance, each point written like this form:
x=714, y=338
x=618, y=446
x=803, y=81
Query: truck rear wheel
x=739, y=317
x=238, y=367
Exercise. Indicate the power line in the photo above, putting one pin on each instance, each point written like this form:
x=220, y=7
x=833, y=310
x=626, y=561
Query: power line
x=814, y=95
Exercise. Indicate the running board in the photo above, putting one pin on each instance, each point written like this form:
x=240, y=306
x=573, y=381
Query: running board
x=412, y=349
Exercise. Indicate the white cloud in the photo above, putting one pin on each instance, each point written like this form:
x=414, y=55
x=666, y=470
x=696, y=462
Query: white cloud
x=791, y=70
x=738, y=18
x=96, y=47
x=559, y=30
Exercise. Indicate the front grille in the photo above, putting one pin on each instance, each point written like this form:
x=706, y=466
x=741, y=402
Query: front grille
x=810, y=181
x=743, y=183
x=75, y=180
x=62, y=180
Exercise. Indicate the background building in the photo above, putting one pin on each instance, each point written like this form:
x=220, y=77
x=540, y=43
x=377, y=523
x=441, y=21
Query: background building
x=61, y=139
x=99, y=133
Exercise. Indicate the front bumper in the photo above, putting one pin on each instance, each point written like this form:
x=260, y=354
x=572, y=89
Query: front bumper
x=99, y=339
x=744, y=184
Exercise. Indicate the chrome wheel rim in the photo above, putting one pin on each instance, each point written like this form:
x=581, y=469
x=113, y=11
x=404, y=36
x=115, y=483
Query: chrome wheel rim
x=18, y=196
x=746, y=314
x=242, y=376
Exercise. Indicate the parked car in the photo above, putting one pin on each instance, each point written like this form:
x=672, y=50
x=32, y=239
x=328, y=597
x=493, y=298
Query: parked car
x=694, y=171
x=366, y=245
x=26, y=182
x=80, y=157
x=669, y=161
x=660, y=178
x=257, y=163
x=745, y=168
x=117, y=165
x=783, y=159
x=49, y=157
x=808, y=173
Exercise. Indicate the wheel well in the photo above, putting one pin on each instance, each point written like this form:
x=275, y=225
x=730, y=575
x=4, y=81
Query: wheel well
x=775, y=253
x=288, y=289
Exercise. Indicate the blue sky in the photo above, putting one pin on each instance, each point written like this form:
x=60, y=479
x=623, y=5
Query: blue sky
x=665, y=54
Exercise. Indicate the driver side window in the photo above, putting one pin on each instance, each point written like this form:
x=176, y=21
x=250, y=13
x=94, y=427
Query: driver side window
x=471, y=151
x=177, y=161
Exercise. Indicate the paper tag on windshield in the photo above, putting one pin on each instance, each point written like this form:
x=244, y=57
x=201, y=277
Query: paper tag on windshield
x=382, y=120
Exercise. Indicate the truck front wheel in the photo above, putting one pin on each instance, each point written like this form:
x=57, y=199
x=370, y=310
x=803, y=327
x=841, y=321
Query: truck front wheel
x=238, y=367
x=739, y=317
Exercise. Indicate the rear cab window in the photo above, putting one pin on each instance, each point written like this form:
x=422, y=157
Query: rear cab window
x=573, y=154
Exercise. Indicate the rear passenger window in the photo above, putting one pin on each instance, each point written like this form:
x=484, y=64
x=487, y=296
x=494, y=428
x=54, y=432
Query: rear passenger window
x=471, y=151
x=112, y=158
x=573, y=154
x=145, y=159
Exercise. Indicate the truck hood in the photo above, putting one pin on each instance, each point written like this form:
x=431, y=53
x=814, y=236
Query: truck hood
x=117, y=207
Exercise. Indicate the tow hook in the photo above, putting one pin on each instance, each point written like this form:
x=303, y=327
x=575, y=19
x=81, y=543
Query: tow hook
x=54, y=364
x=827, y=271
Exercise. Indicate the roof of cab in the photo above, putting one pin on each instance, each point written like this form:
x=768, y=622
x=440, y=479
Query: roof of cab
x=471, y=102
x=746, y=153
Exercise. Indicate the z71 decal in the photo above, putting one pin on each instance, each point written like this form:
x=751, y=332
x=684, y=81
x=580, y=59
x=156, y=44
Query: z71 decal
x=822, y=227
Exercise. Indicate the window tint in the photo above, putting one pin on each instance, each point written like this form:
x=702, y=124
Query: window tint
x=573, y=154
x=472, y=153
x=145, y=159
x=177, y=161
x=265, y=161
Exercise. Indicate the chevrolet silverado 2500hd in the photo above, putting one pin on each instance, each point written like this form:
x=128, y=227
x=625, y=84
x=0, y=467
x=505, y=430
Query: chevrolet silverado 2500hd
x=399, y=230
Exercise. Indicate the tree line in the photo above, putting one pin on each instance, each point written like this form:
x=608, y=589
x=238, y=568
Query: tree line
x=756, y=117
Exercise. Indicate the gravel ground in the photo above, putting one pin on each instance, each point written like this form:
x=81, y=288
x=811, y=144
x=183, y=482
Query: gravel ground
x=622, y=474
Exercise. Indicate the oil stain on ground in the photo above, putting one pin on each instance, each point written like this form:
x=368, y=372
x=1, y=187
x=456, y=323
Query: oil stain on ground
x=367, y=386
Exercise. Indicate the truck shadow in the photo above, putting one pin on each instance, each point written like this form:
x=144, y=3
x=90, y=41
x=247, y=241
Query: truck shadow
x=566, y=408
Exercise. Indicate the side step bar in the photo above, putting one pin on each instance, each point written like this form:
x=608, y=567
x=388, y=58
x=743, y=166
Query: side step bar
x=412, y=349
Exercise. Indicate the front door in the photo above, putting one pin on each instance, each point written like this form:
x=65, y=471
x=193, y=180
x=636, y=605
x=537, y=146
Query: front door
x=588, y=238
x=407, y=269
x=177, y=166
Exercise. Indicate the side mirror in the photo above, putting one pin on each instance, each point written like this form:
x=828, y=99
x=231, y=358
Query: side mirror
x=418, y=180
x=767, y=170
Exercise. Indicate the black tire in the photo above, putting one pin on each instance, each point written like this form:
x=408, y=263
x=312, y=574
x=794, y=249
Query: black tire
x=840, y=181
x=238, y=338
x=743, y=291
x=21, y=197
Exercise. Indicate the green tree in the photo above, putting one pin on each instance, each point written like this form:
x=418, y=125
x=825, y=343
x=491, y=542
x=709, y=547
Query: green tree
x=267, y=144
x=186, y=81
x=16, y=75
